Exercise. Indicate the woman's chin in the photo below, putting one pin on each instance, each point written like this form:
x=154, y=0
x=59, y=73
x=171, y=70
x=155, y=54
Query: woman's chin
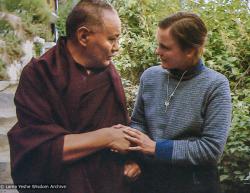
x=165, y=65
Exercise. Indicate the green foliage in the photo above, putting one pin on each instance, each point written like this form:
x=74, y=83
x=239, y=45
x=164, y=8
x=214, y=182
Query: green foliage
x=139, y=21
x=37, y=8
x=38, y=48
x=2, y=70
x=130, y=92
x=235, y=165
x=64, y=10
x=4, y=27
x=227, y=51
x=12, y=46
x=35, y=17
x=228, y=47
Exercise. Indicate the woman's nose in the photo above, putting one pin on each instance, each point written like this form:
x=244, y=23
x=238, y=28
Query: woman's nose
x=157, y=52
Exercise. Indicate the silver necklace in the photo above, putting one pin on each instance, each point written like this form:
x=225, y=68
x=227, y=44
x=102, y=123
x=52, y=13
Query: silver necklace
x=167, y=101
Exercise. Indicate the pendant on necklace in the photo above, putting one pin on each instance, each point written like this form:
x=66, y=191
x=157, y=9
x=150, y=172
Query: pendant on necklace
x=166, y=104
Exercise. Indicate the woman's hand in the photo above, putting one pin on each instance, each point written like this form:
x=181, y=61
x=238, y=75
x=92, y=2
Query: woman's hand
x=118, y=141
x=132, y=170
x=141, y=142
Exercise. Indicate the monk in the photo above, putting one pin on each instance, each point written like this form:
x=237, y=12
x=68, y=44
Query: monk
x=68, y=102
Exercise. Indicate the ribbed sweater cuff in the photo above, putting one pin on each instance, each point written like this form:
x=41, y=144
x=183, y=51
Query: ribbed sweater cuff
x=164, y=149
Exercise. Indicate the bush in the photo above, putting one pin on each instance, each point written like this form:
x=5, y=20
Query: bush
x=139, y=21
x=29, y=18
x=63, y=11
x=227, y=51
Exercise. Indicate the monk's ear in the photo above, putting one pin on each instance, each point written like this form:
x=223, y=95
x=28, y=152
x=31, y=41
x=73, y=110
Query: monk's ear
x=82, y=35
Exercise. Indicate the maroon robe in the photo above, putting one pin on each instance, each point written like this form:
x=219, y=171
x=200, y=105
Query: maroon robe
x=55, y=98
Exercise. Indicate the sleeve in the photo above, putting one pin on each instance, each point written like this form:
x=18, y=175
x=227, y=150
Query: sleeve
x=138, y=117
x=209, y=147
x=36, y=141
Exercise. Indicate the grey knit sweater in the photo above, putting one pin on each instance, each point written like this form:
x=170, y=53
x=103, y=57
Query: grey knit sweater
x=194, y=128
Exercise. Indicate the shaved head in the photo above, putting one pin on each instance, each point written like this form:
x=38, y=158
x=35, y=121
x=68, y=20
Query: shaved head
x=88, y=13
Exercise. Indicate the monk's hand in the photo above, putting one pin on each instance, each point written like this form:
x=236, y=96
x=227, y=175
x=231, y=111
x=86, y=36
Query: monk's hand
x=118, y=142
x=141, y=142
x=132, y=170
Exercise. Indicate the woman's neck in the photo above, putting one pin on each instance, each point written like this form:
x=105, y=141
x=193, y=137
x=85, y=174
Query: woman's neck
x=191, y=71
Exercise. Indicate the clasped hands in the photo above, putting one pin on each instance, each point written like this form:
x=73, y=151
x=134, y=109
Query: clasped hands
x=138, y=141
x=128, y=139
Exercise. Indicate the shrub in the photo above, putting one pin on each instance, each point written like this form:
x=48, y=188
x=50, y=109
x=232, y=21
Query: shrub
x=63, y=11
x=139, y=21
x=26, y=19
x=227, y=51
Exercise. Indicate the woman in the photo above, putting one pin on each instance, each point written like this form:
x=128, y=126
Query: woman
x=182, y=114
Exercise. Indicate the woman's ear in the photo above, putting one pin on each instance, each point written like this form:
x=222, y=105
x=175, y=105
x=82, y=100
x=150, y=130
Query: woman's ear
x=191, y=53
x=195, y=52
x=82, y=35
